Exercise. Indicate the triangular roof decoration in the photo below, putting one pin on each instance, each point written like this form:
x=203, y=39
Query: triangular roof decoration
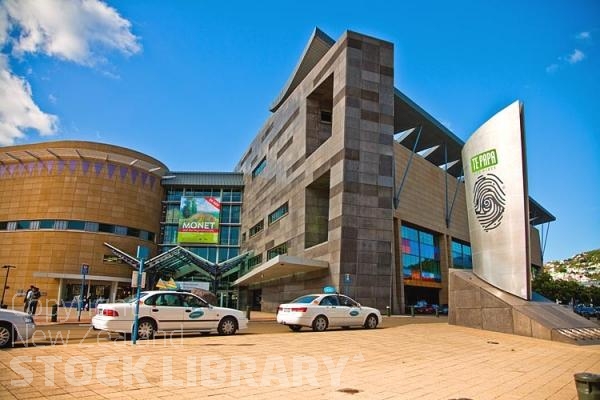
x=316, y=48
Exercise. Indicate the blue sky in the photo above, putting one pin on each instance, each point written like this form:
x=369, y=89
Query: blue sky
x=190, y=82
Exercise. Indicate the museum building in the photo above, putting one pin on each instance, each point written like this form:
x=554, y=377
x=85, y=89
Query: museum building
x=349, y=184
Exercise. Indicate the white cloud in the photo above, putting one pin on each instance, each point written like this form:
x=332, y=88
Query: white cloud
x=584, y=35
x=80, y=31
x=575, y=57
x=18, y=112
x=73, y=30
x=552, y=68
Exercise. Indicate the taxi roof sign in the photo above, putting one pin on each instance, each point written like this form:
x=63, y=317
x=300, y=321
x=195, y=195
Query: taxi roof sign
x=329, y=289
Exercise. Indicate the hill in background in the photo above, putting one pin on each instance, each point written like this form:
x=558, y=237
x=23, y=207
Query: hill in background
x=583, y=268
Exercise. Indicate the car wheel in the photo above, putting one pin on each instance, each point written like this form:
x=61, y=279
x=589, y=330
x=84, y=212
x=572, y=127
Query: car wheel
x=320, y=323
x=227, y=326
x=7, y=334
x=371, y=322
x=146, y=329
x=295, y=328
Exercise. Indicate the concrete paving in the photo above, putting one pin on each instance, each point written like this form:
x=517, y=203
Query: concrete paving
x=407, y=361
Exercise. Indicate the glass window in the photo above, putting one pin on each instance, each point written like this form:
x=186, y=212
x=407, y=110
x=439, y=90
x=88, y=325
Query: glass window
x=60, y=225
x=34, y=225
x=226, y=197
x=46, y=224
x=120, y=230
x=461, y=255
x=305, y=299
x=105, y=228
x=254, y=261
x=174, y=195
x=278, y=214
x=236, y=195
x=173, y=211
x=234, y=236
x=170, y=235
x=22, y=225
x=257, y=228
x=329, y=301
x=91, y=226
x=225, y=214
x=276, y=251
x=224, y=235
x=3, y=226
x=235, y=214
x=76, y=225
x=133, y=232
x=420, y=255
x=259, y=168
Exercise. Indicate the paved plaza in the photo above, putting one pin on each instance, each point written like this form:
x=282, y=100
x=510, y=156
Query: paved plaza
x=402, y=360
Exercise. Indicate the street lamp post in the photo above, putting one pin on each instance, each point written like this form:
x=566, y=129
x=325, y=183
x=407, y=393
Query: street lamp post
x=7, y=267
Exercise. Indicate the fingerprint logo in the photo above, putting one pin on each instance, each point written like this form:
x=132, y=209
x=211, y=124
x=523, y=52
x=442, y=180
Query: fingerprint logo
x=489, y=200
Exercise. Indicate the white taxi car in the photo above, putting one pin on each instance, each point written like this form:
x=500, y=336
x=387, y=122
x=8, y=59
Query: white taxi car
x=168, y=311
x=321, y=311
x=15, y=326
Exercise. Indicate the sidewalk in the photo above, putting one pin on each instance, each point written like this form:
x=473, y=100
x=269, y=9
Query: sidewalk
x=412, y=361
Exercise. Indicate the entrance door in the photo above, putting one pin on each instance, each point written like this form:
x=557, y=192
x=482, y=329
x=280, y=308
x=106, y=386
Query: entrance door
x=256, y=299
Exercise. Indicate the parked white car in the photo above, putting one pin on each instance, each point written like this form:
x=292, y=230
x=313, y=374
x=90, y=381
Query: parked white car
x=168, y=311
x=322, y=311
x=15, y=326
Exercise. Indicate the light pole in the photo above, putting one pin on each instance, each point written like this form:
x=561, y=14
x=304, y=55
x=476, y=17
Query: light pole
x=8, y=267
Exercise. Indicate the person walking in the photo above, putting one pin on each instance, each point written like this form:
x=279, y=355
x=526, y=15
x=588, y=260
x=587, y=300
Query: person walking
x=33, y=302
x=27, y=299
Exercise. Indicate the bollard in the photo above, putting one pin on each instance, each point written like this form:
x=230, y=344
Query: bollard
x=248, y=313
x=388, y=311
x=54, y=317
x=587, y=385
x=412, y=311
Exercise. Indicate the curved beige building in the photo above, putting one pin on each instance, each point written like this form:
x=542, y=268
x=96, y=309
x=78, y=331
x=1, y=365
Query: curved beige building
x=60, y=202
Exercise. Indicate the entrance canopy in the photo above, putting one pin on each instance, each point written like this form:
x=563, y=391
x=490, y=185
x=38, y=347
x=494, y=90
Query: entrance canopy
x=179, y=262
x=279, y=267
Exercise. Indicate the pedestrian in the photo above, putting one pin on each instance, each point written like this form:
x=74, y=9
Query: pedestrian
x=33, y=302
x=27, y=299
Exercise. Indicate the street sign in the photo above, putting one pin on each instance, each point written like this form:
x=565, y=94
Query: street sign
x=85, y=268
x=143, y=253
x=134, y=279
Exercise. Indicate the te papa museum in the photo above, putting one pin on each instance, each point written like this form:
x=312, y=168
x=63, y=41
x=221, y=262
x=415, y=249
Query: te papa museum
x=349, y=184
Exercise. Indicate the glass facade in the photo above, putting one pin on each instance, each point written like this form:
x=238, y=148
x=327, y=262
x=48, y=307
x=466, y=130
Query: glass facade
x=461, y=255
x=229, y=223
x=420, y=255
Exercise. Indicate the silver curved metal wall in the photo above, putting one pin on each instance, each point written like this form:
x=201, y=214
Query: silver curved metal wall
x=497, y=201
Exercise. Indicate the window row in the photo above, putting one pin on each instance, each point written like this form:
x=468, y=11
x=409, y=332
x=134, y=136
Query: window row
x=230, y=214
x=225, y=195
x=272, y=218
x=76, y=225
x=210, y=253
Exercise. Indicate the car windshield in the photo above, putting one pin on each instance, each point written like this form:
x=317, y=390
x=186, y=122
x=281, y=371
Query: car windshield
x=133, y=297
x=305, y=299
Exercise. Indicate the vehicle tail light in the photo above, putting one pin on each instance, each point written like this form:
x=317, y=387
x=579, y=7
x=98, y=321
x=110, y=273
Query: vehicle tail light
x=110, y=313
x=298, y=309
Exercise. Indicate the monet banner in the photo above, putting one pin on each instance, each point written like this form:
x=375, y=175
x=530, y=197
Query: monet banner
x=497, y=202
x=199, y=220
